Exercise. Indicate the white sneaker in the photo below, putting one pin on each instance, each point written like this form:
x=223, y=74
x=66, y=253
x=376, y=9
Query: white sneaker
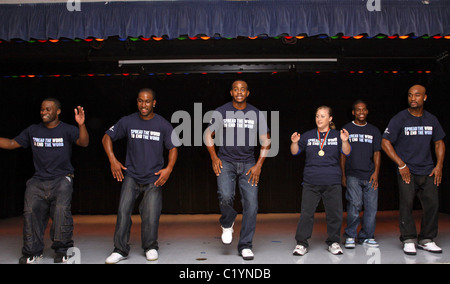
x=409, y=248
x=247, y=254
x=335, y=249
x=151, y=254
x=300, y=250
x=227, y=235
x=114, y=258
x=431, y=247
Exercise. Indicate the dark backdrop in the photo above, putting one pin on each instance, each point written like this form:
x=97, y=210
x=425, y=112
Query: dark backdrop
x=192, y=186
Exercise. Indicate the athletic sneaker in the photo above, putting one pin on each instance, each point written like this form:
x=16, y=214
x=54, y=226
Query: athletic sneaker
x=227, y=235
x=27, y=259
x=350, y=243
x=300, y=250
x=247, y=254
x=151, y=255
x=114, y=258
x=370, y=243
x=335, y=249
x=431, y=247
x=409, y=248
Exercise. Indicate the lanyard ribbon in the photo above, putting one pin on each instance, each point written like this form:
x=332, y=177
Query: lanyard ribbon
x=325, y=138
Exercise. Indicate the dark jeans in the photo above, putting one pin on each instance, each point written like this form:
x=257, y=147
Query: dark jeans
x=226, y=181
x=427, y=192
x=44, y=199
x=149, y=209
x=332, y=200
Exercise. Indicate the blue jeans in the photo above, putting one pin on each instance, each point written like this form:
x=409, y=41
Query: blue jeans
x=149, y=209
x=361, y=193
x=44, y=199
x=231, y=173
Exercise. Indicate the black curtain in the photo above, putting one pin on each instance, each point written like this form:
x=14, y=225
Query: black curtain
x=192, y=186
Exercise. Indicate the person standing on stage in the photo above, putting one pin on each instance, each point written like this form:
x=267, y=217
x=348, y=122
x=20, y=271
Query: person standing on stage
x=49, y=192
x=321, y=178
x=360, y=176
x=407, y=141
x=237, y=125
x=147, y=135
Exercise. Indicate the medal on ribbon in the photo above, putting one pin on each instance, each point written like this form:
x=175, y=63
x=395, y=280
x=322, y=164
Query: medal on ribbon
x=321, y=143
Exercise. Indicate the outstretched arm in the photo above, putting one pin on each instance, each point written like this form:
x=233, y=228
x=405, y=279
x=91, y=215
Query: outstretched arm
x=8, y=144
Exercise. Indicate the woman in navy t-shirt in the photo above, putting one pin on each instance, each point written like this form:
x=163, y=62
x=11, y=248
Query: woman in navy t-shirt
x=321, y=178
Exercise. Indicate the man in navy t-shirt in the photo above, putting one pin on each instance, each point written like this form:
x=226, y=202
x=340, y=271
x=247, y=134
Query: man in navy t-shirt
x=407, y=141
x=147, y=134
x=237, y=126
x=49, y=191
x=360, y=176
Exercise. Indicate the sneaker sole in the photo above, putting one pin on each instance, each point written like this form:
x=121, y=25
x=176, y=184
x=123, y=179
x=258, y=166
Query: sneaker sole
x=433, y=251
x=123, y=258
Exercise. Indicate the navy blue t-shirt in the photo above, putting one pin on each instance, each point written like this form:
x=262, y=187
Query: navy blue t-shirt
x=237, y=132
x=321, y=170
x=146, y=140
x=411, y=137
x=365, y=140
x=51, y=148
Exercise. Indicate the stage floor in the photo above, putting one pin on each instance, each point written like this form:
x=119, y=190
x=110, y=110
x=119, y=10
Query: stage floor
x=195, y=239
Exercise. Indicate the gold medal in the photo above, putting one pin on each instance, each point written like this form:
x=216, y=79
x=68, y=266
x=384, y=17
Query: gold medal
x=322, y=143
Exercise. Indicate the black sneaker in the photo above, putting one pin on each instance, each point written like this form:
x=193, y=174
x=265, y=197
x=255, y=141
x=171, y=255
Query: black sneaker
x=60, y=258
x=27, y=259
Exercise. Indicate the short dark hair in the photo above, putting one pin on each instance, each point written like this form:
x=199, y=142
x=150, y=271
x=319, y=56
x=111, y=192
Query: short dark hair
x=359, y=101
x=148, y=90
x=239, y=80
x=55, y=101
